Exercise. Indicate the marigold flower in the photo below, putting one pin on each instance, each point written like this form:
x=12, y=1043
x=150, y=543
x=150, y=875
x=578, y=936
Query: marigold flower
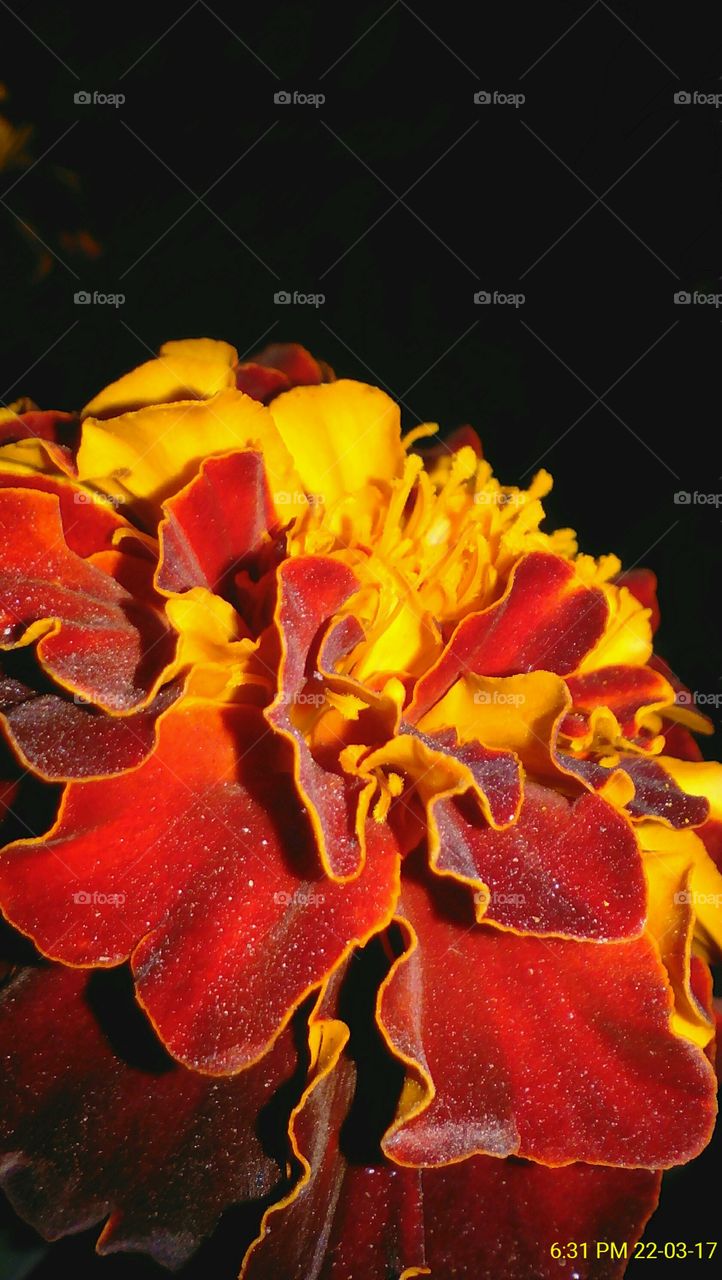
x=363, y=831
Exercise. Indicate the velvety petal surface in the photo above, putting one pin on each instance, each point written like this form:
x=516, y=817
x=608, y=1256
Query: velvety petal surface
x=555, y=1050
x=547, y=620
x=198, y=865
x=98, y=1124
x=94, y=637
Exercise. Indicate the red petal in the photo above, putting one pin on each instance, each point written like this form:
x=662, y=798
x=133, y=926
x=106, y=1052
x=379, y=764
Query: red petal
x=546, y=620
x=496, y=773
x=551, y=1049
x=679, y=742
x=99, y=642
x=481, y=1219
x=657, y=795
x=97, y=1122
x=260, y=383
x=490, y=1218
x=562, y=868
x=47, y=424
x=345, y=1222
x=216, y=526
x=277, y=368
x=643, y=585
x=311, y=589
x=624, y=690
x=299, y=366
x=200, y=865
x=88, y=525
x=61, y=740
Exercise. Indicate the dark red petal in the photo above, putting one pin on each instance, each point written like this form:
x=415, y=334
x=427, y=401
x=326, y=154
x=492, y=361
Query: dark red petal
x=279, y=367
x=62, y=740
x=8, y=792
x=486, y=1219
x=480, y=1219
x=546, y=620
x=643, y=585
x=551, y=1049
x=45, y=424
x=624, y=690
x=679, y=742
x=562, y=868
x=200, y=865
x=496, y=773
x=259, y=382
x=88, y=525
x=311, y=589
x=299, y=366
x=346, y=1222
x=96, y=1122
x=99, y=643
x=657, y=795
x=215, y=527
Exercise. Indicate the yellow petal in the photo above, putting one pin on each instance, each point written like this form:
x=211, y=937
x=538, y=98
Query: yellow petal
x=341, y=436
x=150, y=454
x=517, y=713
x=212, y=652
x=627, y=636
x=698, y=778
x=189, y=370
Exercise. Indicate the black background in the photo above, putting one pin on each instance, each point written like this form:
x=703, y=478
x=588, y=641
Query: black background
x=398, y=199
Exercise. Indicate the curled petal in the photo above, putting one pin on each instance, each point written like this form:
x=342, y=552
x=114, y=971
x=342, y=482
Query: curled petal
x=199, y=866
x=642, y=583
x=46, y=424
x=550, y=1049
x=476, y=1220
x=311, y=589
x=193, y=369
x=568, y=869
x=94, y=637
x=60, y=740
x=215, y=526
x=279, y=367
x=342, y=1221
x=89, y=523
x=148, y=455
x=625, y=691
x=547, y=620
